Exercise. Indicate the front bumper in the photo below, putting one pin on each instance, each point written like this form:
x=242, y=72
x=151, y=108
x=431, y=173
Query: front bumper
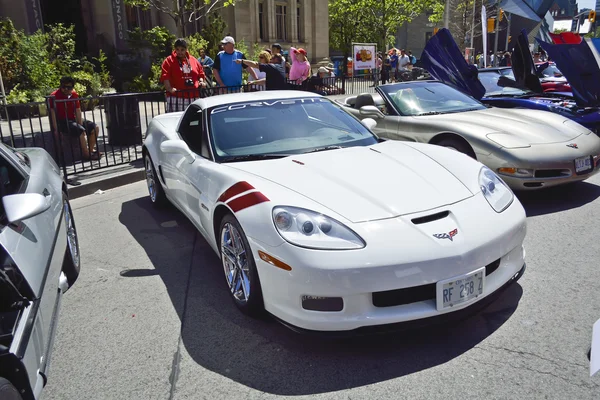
x=414, y=324
x=552, y=169
x=359, y=277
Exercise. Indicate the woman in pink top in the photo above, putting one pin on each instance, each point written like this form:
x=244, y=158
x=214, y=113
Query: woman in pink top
x=300, y=70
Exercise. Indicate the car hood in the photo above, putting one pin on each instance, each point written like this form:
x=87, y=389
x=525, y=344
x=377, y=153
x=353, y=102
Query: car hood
x=522, y=65
x=445, y=62
x=579, y=63
x=361, y=184
x=523, y=126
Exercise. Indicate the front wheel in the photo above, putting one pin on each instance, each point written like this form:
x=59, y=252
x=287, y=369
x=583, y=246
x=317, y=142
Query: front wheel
x=8, y=391
x=155, y=189
x=72, y=260
x=457, y=145
x=239, y=267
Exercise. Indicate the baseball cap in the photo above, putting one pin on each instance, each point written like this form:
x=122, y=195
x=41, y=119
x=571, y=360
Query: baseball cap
x=277, y=46
x=301, y=51
x=228, y=39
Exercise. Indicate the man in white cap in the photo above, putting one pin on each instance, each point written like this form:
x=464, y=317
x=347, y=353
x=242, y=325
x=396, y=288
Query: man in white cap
x=227, y=72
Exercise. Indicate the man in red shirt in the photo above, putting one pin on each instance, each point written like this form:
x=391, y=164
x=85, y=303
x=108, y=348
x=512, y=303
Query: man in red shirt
x=182, y=75
x=69, y=120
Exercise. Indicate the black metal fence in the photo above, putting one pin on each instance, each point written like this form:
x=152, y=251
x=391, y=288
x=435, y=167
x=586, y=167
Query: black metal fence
x=116, y=124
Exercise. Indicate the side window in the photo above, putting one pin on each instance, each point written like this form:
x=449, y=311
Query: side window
x=193, y=133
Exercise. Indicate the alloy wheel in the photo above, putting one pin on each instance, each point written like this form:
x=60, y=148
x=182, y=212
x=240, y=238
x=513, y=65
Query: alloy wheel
x=235, y=263
x=72, y=239
x=150, y=179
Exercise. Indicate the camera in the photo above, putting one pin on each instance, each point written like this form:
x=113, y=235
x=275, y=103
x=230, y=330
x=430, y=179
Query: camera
x=189, y=82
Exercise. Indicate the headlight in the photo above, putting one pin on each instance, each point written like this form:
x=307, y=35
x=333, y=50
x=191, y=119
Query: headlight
x=495, y=190
x=309, y=229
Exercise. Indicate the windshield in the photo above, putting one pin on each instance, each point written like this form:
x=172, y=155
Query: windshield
x=429, y=98
x=274, y=128
x=490, y=81
x=552, y=72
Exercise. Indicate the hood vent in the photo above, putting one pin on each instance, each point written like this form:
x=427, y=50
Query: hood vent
x=430, y=218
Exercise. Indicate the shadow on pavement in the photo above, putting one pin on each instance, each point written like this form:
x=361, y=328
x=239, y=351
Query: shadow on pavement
x=267, y=356
x=559, y=198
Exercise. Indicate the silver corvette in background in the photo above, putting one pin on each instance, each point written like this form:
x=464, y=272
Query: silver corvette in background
x=39, y=261
x=529, y=149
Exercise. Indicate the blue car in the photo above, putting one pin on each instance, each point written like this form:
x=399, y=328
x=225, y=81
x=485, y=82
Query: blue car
x=510, y=87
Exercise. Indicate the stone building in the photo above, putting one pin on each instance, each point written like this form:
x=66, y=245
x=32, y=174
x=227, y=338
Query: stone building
x=104, y=23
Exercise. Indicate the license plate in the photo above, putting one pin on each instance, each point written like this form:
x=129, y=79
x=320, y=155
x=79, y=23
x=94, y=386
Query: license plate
x=583, y=164
x=460, y=289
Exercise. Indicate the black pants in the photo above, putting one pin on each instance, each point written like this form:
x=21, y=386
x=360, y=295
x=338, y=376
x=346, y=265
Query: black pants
x=72, y=128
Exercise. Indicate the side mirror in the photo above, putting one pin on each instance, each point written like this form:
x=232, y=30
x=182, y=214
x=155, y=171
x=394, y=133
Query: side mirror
x=19, y=207
x=178, y=147
x=505, y=81
x=371, y=111
x=370, y=123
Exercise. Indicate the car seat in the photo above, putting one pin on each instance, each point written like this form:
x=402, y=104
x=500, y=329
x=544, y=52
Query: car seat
x=364, y=99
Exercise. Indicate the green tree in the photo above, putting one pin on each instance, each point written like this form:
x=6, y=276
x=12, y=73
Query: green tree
x=383, y=17
x=213, y=34
x=592, y=34
x=374, y=21
x=183, y=11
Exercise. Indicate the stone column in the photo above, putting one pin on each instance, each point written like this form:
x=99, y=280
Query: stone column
x=293, y=21
x=270, y=23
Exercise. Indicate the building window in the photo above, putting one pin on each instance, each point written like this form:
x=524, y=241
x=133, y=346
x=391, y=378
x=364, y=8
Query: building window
x=281, y=18
x=138, y=18
x=261, y=25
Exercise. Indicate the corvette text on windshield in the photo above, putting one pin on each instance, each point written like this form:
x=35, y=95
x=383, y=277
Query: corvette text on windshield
x=241, y=106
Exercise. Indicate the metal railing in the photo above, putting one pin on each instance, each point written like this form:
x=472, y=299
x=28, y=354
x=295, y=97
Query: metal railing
x=121, y=120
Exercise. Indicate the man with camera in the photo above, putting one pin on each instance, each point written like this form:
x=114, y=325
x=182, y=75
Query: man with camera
x=182, y=76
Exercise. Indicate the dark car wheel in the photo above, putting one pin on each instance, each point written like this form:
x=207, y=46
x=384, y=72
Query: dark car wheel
x=8, y=391
x=72, y=261
x=155, y=189
x=239, y=267
x=458, y=145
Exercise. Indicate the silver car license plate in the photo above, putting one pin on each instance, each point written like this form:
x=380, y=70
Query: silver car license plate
x=460, y=289
x=583, y=164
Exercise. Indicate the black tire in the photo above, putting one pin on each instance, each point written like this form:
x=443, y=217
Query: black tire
x=8, y=391
x=158, y=199
x=458, y=145
x=72, y=260
x=253, y=305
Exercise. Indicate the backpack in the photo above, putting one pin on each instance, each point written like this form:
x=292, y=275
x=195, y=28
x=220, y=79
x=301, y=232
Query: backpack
x=413, y=60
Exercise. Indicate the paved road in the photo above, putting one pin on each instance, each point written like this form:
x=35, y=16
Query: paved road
x=150, y=318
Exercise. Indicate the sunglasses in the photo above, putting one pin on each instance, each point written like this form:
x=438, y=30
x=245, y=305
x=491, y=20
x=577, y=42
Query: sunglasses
x=68, y=87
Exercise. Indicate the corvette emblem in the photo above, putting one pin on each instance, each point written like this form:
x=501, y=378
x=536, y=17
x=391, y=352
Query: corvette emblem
x=573, y=145
x=450, y=235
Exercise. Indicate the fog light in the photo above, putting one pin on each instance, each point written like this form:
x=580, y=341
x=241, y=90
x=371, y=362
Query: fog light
x=515, y=171
x=316, y=303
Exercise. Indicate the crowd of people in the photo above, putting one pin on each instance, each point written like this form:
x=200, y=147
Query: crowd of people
x=503, y=58
x=395, y=65
x=183, y=74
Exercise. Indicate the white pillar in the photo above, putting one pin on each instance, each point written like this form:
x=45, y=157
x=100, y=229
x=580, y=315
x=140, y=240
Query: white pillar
x=293, y=21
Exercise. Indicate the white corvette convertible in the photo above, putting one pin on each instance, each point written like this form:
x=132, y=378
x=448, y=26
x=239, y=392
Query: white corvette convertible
x=327, y=227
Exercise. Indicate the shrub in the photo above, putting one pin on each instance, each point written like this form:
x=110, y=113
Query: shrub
x=158, y=40
x=195, y=43
x=87, y=84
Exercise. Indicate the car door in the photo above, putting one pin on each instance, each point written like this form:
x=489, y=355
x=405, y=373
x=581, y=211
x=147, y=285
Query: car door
x=37, y=249
x=171, y=164
x=195, y=176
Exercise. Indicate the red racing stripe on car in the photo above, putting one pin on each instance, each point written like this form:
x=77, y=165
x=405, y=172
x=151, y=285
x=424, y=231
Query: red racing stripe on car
x=234, y=190
x=248, y=200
